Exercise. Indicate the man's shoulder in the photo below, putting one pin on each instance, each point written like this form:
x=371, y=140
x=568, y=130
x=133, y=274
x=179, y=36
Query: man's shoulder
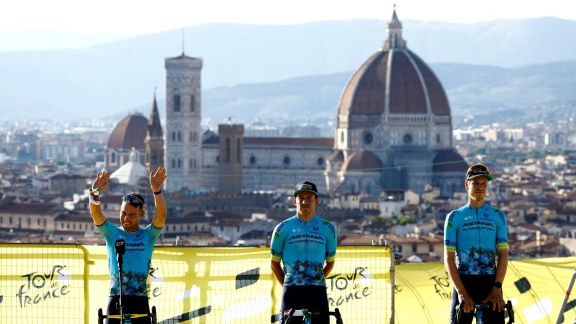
x=285, y=223
x=455, y=212
x=322, y=221
x=493, y=209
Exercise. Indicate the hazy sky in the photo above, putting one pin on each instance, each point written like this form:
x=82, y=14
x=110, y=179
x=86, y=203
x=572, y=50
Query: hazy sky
x=132, y=17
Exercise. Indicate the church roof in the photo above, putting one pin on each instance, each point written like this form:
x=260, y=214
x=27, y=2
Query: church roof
x=290, y=141
x=449, y=161
x=362, y=161
x=129, y=133
x=130, y=172
x=210, y=137
x=337, y=156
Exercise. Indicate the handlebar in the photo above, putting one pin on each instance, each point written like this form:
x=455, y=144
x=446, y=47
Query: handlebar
x=301, y=312
x=507, y=306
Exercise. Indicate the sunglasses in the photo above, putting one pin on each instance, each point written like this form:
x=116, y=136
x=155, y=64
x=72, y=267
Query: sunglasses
x=132, y=200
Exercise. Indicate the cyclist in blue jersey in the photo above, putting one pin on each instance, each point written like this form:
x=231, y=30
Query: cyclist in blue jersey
x=138, y=244
x=306, y=246
x=476, y=252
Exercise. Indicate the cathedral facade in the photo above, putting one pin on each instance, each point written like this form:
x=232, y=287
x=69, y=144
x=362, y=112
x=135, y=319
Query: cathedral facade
x=393, y=133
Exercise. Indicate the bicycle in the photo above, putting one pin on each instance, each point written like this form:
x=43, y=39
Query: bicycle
x=308, y=314
x=488, y=306
x=127, y=318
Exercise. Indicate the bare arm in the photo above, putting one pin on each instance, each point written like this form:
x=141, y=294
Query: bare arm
x=463, y=297
x=101, y=183
x=277, y=271
x=156, y=181
x=496, y=294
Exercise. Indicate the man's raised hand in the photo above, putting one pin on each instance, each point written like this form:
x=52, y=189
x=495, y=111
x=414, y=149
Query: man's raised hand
x=101, y=183
x=157, y=178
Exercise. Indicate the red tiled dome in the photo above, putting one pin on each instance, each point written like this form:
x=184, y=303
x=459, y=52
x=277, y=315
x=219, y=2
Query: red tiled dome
x=449, y=161
x=392, y=81
x=129, y=133
x=337, y=156
x=362, y=161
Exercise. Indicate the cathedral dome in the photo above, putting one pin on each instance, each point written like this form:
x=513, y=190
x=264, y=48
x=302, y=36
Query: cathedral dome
x=394, y=125
x=129, y=133
x=392, y=81
x=337, y=156
x=362, y=161
x=449, y=161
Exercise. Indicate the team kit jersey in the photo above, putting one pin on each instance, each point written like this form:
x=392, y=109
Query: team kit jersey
x=136, y=259
x=303, y=246
x=475, y=235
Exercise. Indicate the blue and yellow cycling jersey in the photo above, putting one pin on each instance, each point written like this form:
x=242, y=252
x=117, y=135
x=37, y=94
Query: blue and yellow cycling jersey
x=303, y=247
x=475, y=235
x=136, y=259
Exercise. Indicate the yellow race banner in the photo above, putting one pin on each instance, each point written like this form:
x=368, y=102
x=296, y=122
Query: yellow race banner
x=69, y=283
x=535, y=287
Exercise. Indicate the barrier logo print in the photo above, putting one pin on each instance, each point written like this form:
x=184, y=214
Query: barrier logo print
x=42, y=286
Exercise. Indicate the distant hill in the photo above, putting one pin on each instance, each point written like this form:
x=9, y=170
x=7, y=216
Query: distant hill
x=279, y=61
x=477, y=94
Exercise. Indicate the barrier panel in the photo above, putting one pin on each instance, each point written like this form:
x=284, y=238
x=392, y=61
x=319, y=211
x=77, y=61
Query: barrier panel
x=68, y=284
x=43, y=283
x=536, y=288
x=187, y=284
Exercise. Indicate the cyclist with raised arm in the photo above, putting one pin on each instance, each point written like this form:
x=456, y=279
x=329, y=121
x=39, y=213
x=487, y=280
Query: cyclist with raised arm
x=138, y=243
x=476, y=252
x=306, y=246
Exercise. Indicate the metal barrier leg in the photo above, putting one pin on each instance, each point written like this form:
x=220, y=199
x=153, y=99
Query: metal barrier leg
x=153, y=315
x=560, y=317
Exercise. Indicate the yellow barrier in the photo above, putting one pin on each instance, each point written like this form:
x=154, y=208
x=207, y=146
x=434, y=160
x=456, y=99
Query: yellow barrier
x=69, y=283
x=535, y=287
x=42, y=284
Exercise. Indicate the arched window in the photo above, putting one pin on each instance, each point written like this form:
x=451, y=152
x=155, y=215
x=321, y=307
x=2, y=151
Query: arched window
x=176, y=102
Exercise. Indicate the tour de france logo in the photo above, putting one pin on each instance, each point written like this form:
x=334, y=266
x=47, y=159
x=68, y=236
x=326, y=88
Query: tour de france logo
x=42, y=286
x=345, y=288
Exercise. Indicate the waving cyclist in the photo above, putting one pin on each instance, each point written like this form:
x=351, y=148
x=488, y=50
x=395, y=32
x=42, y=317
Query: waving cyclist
x=138, y=244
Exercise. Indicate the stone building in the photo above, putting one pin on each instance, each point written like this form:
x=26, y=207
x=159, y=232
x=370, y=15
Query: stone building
x=394, y=128
x=393, y=133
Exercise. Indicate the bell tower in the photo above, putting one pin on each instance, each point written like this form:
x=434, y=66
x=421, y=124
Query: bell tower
x=230, y=158
x=183, y=141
